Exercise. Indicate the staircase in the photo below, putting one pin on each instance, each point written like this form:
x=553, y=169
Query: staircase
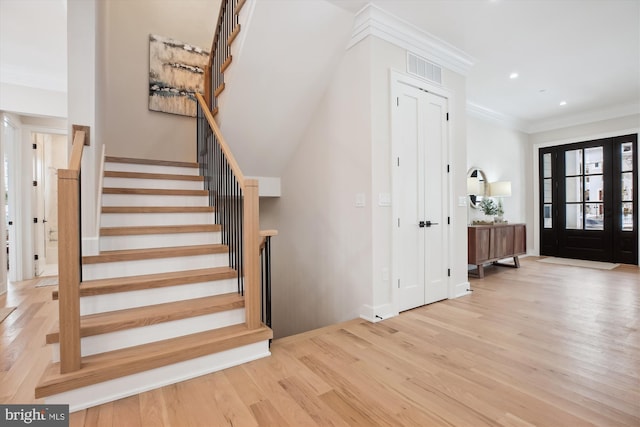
x=159, y=304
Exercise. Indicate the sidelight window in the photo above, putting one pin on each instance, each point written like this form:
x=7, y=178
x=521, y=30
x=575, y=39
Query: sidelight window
x=626, y=155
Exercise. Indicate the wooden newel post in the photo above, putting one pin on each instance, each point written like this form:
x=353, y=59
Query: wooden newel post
x=69, y=273
x=251, y=256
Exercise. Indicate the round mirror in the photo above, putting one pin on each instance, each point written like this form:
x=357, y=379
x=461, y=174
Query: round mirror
x=476, y=186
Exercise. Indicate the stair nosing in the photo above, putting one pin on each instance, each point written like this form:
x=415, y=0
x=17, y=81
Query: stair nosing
x=154, y=191
x=136, y=161
x=156, y=209
x=159, y=229
x=131, y=360
x=152, y=281
x=148, y=315
x=153, y=253
x=146, y=175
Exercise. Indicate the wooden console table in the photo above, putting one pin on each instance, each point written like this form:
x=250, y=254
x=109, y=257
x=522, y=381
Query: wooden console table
x=490, y=243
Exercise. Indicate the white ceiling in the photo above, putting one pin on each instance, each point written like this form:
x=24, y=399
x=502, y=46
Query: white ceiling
x=584, y=52
x=33, y=43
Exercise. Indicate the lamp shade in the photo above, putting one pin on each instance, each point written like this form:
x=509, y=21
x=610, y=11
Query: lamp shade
x=473, y=186
x=500, y=189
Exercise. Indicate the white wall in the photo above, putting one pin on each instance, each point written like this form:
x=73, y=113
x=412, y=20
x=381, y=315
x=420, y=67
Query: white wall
x=31, y=100
x=595, y=130
x=330, y=255
x=504, y=155
x=322, y=255
x=127, y=127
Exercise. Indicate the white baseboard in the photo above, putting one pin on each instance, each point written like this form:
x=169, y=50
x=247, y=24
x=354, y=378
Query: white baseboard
x=461, y=289
x=377, y=313
x=108, y=391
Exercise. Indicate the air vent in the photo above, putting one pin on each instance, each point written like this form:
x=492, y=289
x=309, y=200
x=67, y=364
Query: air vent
x=424, y=69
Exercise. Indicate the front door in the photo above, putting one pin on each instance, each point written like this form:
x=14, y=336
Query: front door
x=421, y=147
x=589, y=205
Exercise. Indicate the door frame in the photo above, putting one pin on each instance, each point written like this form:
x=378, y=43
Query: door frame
x=396, y=79
x=30, y=211
x=536, y=173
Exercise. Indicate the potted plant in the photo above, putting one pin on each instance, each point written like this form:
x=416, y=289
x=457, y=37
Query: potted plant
x=491, y=208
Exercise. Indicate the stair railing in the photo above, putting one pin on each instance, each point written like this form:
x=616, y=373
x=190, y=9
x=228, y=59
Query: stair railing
x=236, y=201
x=265, y=275
x=70, y=256
x=227, y=29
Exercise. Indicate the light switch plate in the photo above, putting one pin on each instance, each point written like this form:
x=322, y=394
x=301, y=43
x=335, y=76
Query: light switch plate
x=462, y=201
x=360, y=200
x=384, y=199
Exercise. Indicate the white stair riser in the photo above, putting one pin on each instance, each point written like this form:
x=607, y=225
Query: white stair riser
x=150, y=266
x=114, y=243
x=127, y=167
x=108, y=391
x=144, y=219
x=162, y=331
x=173, y=184
x=153, y=200
x=123, y=300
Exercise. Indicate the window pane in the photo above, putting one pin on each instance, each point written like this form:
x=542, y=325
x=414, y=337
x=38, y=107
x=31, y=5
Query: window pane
x=593, y=188
x=594, y=216
x=574, y=217
x=547, y=191
x=627, y=156
x=593, y=160
x=548, y=221
x=573, y=162
x=546, y=165
x=627, y=186
x=627, y=216
x=573, y=187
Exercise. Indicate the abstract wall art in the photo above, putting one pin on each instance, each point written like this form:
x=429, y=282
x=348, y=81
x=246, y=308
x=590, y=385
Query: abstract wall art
x=176, y=73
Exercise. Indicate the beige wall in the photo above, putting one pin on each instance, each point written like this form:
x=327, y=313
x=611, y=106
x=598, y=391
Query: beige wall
x=330, y=255
x=322, y=256
x=126, y=125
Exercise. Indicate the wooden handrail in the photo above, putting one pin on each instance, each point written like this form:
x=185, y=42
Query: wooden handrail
x=76, y=150
x=222, y=142
x=69, y=259
x=265, y=234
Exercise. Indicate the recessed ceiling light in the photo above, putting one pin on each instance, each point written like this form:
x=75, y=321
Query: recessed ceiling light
x=513, y=75
x=563, y=103
x=542, y=90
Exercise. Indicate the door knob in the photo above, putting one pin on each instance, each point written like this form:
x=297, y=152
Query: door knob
x=422, y=224
x=10, y=222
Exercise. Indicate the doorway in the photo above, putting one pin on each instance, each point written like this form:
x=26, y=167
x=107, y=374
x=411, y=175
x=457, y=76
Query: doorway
x=588, y=200
x=420, y=232
x=49, y=155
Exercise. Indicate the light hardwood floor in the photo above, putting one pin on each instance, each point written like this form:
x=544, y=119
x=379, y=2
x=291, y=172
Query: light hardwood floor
x=541, y=345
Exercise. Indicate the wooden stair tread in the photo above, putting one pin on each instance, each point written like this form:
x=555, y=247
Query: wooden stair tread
x=111, y=321
x=130, y=160
x=145, y=175
x=149, y=281
x=156, y=209
x=154, y=191
x=154, y=253
x=160, y=229
x=119, y=363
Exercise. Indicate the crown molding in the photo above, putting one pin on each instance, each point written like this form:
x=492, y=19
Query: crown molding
x=487, y=114
x=371, y=20
x=585, y=117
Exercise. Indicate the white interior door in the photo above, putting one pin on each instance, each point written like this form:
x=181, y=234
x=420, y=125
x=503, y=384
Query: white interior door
x=421, y=147
x=39, y=245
